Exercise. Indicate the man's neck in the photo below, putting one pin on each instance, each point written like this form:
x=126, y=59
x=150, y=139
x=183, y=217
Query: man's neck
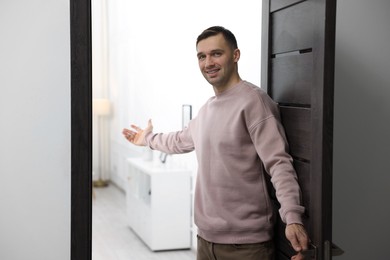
x=232, y=83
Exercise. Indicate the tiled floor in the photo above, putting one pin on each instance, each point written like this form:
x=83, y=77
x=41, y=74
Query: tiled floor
x=112, y=239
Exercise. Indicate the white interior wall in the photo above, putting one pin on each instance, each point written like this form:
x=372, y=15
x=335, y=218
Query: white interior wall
x=361, y=184
x=35, y=130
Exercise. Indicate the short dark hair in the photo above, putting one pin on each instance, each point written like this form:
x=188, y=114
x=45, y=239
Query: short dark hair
x=214, y=30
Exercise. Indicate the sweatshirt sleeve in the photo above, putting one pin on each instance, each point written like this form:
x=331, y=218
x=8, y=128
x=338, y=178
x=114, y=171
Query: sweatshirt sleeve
x=271, y=145
x=171, y=143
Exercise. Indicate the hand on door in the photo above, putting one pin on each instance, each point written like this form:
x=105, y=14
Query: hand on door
x=298, y=238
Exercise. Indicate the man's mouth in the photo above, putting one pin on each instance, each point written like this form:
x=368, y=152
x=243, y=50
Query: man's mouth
x=212, y=72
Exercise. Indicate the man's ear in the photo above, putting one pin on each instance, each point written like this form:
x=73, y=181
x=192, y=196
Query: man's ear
x=236, y=55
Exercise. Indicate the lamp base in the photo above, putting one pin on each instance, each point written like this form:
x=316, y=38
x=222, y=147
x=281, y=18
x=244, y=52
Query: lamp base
x=100, y=183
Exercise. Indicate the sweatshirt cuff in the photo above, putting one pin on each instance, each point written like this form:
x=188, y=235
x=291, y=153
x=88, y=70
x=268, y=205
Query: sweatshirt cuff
x=147, y=139
x=293, y=218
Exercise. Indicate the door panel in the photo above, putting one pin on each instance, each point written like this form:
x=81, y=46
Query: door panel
x=296, y=122
x=294, y=86
x=303, y=170
x=297, y=72
x=292, y=27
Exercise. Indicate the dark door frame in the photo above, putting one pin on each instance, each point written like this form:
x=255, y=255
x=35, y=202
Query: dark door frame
x=81, y=129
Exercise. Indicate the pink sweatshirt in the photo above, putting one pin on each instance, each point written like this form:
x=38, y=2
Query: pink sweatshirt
x=234, y=134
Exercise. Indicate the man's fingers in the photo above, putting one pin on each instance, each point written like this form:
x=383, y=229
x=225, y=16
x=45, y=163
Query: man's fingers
x=295, y=244
x=136, y=134
x=128, y=134
x=136, y=128
x=302, y=238
x=304, y=241
x=298, y=256
x=297, y=236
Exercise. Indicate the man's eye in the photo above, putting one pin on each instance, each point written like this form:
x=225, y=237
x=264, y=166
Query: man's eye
x=202, y=57
x=217, y=54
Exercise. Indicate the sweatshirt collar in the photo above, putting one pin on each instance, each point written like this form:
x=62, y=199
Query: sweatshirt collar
x=230, y=91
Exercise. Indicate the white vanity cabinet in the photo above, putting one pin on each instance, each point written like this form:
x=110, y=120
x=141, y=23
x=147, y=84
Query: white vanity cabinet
x=158, y=200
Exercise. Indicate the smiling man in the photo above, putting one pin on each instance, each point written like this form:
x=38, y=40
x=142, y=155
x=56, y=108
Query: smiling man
x=218, y=61
x=238, y=139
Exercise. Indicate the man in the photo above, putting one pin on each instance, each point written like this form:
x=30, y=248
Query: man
x=236, y=135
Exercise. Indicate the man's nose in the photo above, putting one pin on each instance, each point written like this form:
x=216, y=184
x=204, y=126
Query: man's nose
x=209, y=61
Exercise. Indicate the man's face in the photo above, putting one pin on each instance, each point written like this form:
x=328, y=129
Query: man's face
x=217, y=61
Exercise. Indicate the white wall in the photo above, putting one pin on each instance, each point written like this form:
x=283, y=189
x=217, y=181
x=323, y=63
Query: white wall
x=35, y=130
x=361, y=130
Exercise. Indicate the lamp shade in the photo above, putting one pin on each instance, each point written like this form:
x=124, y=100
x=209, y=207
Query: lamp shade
x=101, y=106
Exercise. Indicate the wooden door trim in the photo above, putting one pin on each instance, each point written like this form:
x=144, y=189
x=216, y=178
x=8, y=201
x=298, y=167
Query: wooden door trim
x=326, y=141
x=265, y=57
x=81, y=130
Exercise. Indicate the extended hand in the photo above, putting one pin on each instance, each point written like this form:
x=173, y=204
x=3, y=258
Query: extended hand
x=298, y=238
x=136, y=135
